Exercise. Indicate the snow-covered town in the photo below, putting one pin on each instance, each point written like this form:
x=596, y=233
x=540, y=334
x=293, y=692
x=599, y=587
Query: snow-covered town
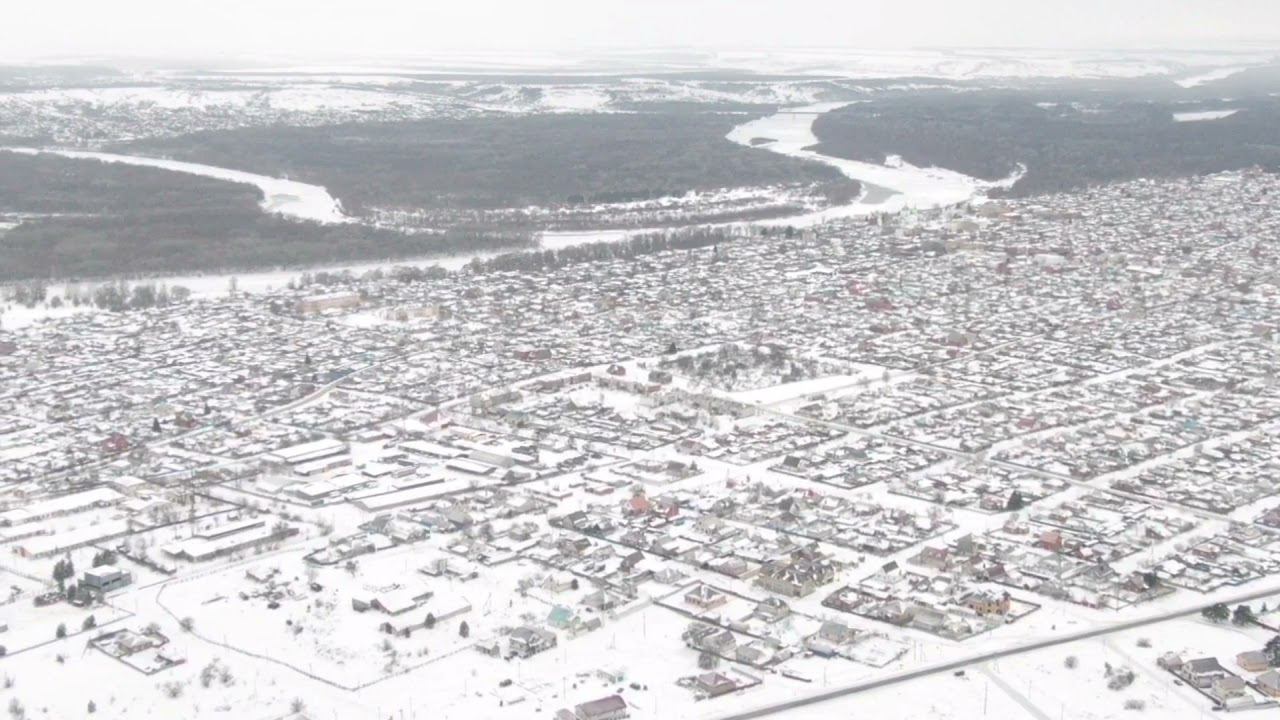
x=1005, y=453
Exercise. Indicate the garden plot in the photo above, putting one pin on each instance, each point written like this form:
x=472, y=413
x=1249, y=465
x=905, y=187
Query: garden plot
x=1221, y=478
x=984, y=488
x=423, y=379
x=897, y=400
x=43, y=625
x=1010, y=373
x=856, y=462
x=143, y=651
x=344, y=412
x=311, y=621
x=860, y=524
x=759, y=438
x=245, y=439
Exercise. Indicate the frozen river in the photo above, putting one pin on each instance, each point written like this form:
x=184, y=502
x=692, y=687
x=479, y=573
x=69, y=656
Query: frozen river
x=885, y=188
x=890, y=187
x=296, y=200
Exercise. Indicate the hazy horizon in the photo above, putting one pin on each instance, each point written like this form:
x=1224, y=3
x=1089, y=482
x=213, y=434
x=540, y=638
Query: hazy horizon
x=338, y=29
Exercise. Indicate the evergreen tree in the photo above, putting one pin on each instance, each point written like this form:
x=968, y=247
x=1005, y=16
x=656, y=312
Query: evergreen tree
x=1217, y=612
x=1016, y=502
x=707, y=661
x=1272, y=650
x=63, y=570
x=1243, y=615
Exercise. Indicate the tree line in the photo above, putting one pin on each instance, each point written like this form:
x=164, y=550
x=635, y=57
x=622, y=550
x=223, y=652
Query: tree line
x=631, y=247
x=500, y=161
x=1065, y=140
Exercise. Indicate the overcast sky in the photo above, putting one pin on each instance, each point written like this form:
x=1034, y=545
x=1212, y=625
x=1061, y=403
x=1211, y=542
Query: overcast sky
x=337, y=28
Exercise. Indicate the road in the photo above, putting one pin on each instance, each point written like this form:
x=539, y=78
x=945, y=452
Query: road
x=953, y=665
x=1018, y=697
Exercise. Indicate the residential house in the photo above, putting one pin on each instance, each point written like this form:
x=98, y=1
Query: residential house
x=393, y=602
x=527, y=641
x=987, y=603
x=559, y=582
x=714, y=684
x=701, y=636
x=772, y=609
x=829, y=638
x=933, y=557
x=604, y=600
x=756, y=653
x=796, y=577
x=1231, y=691
x=565, y=619
x=734, y=567
x=1268, y=683
x=1201, y=672
x=611, y=707
x=1253, y=661
x=705, y=597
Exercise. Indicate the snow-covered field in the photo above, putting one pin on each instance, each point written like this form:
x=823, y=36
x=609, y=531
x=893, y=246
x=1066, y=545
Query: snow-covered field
x=948, y=63
x=996, y=63
x=295, y=97
x=452, y=85
x=13, y=317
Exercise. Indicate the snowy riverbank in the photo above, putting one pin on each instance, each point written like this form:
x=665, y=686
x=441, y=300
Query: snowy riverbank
x=886, y=188
x=289, y=198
